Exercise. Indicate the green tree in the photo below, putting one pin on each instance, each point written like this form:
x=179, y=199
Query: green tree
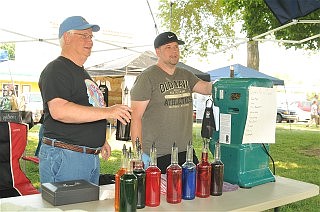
x=10, y=47
x=208, y=25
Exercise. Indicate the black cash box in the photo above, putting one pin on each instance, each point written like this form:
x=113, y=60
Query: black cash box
x=69, y=192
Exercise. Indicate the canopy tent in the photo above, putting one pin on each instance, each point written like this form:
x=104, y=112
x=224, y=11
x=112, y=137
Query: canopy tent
x=241, y=71
x=115, y=39
x=134, y=64
x=9, y=70
x=40, y=44
x=286, y=11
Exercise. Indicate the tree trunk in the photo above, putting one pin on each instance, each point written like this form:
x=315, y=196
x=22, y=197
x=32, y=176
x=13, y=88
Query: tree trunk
x=253, y=55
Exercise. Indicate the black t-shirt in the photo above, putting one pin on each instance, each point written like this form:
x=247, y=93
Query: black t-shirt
x=62, y=78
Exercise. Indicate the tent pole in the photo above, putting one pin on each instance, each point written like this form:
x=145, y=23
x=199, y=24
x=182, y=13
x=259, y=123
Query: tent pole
x=287, y=104
x=171, y=4
x=14, y=90
x=154, y=21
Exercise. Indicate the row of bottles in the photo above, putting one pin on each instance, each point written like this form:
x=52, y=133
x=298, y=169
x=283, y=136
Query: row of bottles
x=190, y=180
x=137, y=188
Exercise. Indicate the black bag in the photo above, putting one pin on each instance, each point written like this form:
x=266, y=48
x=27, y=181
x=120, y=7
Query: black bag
x=208, y=123
x=106, y=179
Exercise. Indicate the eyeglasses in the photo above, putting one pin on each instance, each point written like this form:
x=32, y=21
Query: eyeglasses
x=84, y=36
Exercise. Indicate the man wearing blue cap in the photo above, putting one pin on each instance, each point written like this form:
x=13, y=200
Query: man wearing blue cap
x=74, y=110
x=161, y=101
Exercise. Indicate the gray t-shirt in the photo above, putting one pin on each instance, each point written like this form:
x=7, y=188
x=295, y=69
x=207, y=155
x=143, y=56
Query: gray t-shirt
x=168, y=116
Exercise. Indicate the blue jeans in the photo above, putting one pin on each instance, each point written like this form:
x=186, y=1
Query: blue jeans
x=57, y=164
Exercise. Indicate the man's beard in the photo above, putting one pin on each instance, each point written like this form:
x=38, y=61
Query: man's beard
x=173, y=61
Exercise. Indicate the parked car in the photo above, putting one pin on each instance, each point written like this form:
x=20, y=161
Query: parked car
x=32, y=101
x=287, y=115
x=303, y=105
x=303, y=116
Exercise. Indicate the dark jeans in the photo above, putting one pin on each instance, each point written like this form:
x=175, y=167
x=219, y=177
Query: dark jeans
x=164, y=161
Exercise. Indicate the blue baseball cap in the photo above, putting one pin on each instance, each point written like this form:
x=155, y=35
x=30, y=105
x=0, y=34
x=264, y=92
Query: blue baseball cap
x=76, y=23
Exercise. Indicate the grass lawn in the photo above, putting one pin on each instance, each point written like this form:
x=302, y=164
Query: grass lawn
x=296, y=154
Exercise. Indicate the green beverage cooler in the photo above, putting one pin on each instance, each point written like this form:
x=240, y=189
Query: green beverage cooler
x=245, y=164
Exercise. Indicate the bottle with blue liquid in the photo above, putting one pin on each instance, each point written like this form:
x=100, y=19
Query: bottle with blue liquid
x=189, y=173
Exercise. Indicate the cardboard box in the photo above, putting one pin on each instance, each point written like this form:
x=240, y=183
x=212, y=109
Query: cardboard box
x=69, y=192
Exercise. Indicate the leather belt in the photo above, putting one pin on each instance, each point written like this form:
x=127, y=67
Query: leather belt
x=71, y=147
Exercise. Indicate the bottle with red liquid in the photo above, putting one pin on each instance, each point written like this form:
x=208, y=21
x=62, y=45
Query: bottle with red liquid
x=217, y=169
x=174, y=178
x=140, y=173
x=204, y=173
x=119, y=173
x=128, y=189
x=153, y=180
x=189, y=175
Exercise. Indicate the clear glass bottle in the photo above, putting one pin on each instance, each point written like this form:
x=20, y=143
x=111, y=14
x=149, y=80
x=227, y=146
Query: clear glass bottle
x=174, y=178
x=204, y=173
x=119, y=173
x=189, y=175
x=217, y=169
x=140, y=173
x=153, y=180
x=128, y=190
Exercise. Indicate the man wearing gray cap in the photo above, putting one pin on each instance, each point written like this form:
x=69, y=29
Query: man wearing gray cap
x=161, y=101
x=74, y=110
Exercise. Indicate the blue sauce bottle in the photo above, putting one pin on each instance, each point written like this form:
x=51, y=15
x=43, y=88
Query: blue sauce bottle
x=189, y=173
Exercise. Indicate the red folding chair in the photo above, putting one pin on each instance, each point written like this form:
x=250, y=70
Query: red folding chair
x=13, y=141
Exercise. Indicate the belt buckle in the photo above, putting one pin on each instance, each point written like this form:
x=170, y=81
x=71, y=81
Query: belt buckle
x=96, y=151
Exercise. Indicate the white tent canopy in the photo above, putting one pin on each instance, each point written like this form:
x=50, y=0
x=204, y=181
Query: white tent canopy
x=127, y=27
x=33, y=27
